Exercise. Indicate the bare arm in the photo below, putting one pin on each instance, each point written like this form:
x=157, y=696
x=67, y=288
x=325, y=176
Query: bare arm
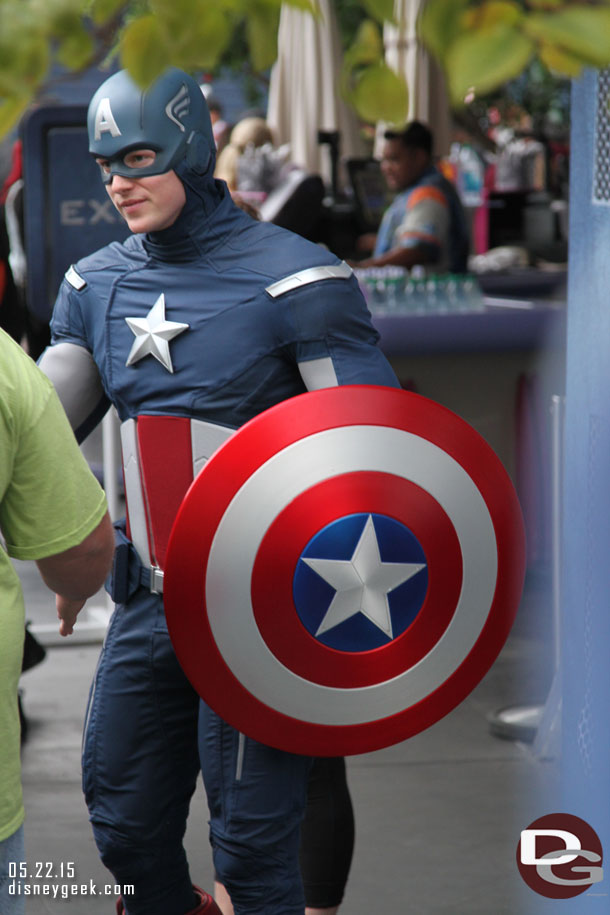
x=399, y=257
x=78, y=572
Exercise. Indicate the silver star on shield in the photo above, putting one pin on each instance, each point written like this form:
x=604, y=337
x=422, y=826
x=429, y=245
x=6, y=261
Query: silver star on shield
x=152, y=335
x=362, y=583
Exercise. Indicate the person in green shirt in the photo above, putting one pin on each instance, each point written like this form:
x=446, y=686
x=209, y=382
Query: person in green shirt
x=53, y=511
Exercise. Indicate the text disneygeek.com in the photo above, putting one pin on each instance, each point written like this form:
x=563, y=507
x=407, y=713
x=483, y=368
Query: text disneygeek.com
x=36, y=879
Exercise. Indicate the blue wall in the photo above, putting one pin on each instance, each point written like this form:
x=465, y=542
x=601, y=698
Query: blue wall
x=585, y=765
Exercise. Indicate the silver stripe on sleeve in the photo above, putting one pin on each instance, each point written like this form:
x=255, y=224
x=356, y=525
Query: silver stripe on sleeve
x=76, y=379
x=134, y=495
x=312, y=275
x=318, y=373
x=75, y=279
x=206, y=438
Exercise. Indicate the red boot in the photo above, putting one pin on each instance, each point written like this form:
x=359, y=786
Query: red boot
x=205, y=906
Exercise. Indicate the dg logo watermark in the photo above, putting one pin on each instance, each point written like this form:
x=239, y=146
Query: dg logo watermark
x=560, y=856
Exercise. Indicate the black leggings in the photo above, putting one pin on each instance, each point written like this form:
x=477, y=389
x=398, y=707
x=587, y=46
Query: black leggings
x=327, y=834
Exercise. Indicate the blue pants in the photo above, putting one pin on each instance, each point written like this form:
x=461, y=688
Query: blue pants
x=12, y=852
x=147, y=737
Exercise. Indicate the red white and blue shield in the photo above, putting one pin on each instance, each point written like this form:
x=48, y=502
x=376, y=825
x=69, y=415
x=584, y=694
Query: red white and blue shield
x=344, y=570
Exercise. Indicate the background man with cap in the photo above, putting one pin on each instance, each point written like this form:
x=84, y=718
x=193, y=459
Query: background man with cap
x=425, y=223
x=209, y=315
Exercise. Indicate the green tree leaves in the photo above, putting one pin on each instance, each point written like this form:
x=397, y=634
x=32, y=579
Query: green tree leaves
x=261, y=32
x=583, y=32
x=480, y=43
x=439, y=23
x=147, y=34
x=193, y=34
x=484, y=43
x=484, y=58
x=101, y=11
x=143, y=49
x=369, y=85
x=381, y=10
x=380, y=95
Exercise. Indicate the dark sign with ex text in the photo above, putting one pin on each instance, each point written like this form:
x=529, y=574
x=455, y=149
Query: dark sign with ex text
x=67, y=213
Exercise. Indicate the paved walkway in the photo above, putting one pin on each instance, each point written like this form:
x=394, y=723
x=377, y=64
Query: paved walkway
x=438, y=816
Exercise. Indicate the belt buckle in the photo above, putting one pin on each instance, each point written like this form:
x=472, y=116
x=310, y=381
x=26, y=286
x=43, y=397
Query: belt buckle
x=156, y=580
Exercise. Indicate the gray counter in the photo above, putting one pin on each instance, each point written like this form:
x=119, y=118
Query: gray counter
x=504, y=324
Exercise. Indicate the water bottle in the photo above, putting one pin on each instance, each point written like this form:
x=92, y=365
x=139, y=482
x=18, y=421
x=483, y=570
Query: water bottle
x=420, y=295
x=372, y=284
x=395, y=279
x=432, y=293
x=379, y=297
x=441, y=293
x=452, y=292
x=410, y=295
x=470, y=176
x=362, y=276
x=472, y=297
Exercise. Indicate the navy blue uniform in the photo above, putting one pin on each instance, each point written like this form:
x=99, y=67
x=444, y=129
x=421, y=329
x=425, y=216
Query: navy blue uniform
x=216, y=319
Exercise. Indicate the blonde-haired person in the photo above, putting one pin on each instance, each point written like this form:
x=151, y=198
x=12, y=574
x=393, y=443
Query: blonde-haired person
x=250, y=131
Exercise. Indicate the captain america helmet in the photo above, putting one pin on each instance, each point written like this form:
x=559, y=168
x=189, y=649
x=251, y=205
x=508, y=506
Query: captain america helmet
x=170, y=118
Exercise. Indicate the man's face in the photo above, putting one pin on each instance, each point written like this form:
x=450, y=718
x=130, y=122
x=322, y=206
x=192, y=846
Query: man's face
x=147, y=204
x=401, y=165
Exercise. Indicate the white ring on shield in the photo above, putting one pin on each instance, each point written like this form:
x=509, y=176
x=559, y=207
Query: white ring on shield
x=255, y=506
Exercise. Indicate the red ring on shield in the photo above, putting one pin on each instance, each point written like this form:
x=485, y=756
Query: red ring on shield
x=287, y=537
x=202, y=519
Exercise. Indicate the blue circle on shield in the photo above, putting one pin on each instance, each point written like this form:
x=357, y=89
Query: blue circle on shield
x=360, y=582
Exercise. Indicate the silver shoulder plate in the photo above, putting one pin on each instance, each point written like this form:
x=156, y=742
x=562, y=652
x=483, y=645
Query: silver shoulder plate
x=312, y=275
x=75, y=279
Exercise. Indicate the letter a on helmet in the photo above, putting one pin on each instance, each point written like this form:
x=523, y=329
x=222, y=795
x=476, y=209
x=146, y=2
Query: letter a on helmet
x=104, y=120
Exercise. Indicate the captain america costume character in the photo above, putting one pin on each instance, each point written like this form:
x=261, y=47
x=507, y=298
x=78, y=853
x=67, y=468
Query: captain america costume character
x=189, y=331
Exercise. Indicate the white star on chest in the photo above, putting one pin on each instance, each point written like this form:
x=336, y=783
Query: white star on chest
x=152, y=335
x=362, y=583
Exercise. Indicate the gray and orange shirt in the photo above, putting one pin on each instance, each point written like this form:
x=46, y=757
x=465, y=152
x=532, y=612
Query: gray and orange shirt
x=429, y=213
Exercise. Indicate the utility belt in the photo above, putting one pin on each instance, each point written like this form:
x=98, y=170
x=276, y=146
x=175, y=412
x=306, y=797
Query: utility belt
x=162, y=455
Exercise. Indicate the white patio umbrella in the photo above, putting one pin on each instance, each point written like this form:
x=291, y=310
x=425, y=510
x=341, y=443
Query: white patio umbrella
x=428, y=101
x=304, y=93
